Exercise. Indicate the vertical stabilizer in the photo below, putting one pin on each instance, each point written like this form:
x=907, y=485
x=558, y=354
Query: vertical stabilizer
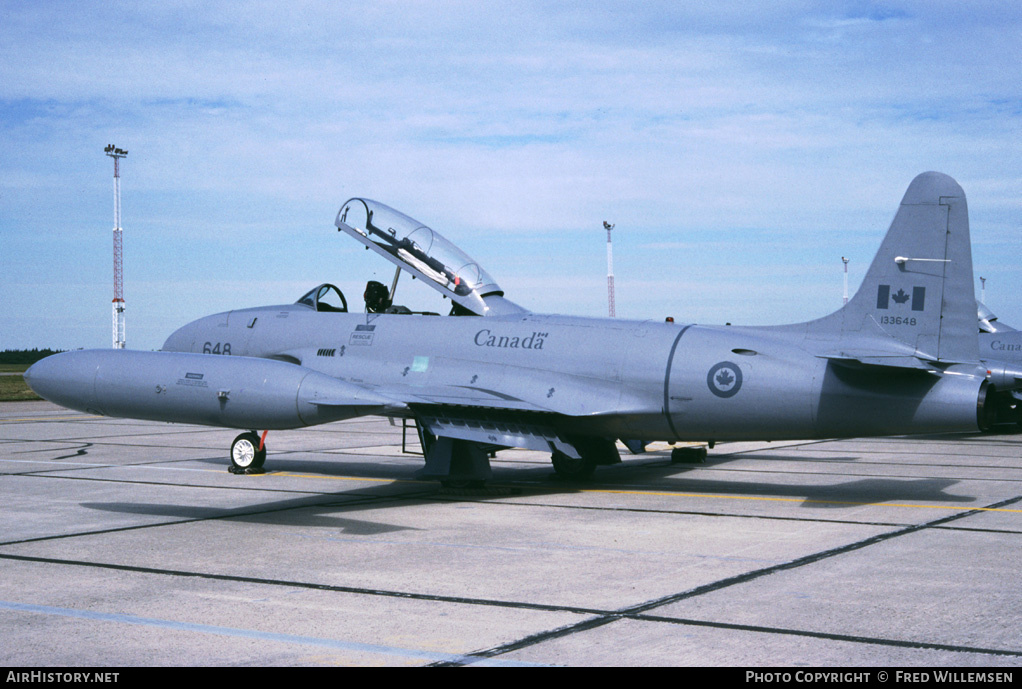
x=917, y=298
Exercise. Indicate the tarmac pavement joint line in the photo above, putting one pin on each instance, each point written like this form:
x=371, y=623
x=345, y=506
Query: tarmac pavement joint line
x=250, y=634
x=638, y=611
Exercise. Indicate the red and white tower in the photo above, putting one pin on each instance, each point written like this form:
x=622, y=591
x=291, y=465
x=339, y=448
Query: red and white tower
x=610, y=270
x=117, y=154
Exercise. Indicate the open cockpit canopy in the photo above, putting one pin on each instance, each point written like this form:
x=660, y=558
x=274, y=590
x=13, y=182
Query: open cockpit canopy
x=424, y=253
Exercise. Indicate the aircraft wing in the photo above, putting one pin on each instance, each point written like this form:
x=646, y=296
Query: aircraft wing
x=510, y=406
x=452, y=382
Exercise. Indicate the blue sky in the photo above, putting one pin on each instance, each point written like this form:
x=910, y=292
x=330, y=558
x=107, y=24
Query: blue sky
x=741, y=148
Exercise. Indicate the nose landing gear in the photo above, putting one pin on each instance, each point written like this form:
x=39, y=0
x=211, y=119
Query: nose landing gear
x=248, y=452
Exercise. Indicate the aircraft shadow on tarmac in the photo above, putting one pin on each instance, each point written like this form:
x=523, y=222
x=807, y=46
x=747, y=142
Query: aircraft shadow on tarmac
x=849, y=494
x=852, y=493
x=658, y=474
x=308, y=512
x=325, y=510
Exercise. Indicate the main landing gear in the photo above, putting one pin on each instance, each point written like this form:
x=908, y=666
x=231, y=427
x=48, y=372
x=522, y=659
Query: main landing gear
x=248, y=452
x=593, y=452
x=571, y=469
x=688, y=455
x=461, y=464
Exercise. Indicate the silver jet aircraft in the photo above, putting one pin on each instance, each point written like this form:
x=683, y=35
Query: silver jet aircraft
x=901, y=357
x=1000, y=351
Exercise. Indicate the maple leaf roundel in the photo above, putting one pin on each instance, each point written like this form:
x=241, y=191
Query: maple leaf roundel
x=724, y=379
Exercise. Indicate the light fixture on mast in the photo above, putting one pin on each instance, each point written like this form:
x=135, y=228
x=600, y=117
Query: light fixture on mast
x=845, y=261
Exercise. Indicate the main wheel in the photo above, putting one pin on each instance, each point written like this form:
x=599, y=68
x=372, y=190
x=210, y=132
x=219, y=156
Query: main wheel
x=245, y=453
x=571, y=468
x=688, y=455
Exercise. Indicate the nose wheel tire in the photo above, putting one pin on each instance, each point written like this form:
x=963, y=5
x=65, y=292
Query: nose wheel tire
x=246, y=457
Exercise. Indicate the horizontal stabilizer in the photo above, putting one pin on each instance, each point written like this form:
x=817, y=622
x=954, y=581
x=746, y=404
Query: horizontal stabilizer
x=909, y=362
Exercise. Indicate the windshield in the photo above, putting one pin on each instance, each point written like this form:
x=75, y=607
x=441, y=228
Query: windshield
x=417, y=248
x=325, y=297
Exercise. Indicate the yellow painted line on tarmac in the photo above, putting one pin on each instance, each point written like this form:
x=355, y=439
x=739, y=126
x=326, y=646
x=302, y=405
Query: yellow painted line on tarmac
x=288, y=474
x=76, y=417
x=803, y=500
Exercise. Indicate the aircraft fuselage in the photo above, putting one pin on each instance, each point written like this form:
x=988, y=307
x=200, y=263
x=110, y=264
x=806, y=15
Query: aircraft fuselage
x=619, y=378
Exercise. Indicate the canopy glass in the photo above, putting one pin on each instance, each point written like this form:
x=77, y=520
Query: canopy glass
x=420, y=250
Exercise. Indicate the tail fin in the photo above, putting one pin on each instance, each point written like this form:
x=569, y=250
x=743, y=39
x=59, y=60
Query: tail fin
x=917, y=301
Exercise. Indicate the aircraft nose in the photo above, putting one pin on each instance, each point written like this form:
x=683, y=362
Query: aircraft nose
x=43, y=377
x=66, y=379
x=34, y=372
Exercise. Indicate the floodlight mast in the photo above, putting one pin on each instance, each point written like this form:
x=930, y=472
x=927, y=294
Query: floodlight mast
x=610, y=270
x=118, y=303
x=845, y=261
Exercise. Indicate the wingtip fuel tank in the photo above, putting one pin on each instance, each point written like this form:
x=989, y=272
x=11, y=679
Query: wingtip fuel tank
x=232, y=392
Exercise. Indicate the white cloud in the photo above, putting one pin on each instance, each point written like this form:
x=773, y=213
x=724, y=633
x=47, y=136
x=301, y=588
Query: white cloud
x=501, y=125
